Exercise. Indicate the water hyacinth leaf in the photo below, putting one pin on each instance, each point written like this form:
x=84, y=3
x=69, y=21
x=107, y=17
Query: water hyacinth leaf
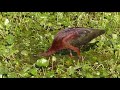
x=3, y=70
x=6, y=22
x=71, y=70
x=24, y=52
x=114, y=36
x=42, y=62
x=33, y=71
x=50, y=74
x=118, y=68
x=10, y=39
x=12, y=75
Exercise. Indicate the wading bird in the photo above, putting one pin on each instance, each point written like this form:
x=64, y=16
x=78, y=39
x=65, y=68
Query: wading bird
x=72, y=38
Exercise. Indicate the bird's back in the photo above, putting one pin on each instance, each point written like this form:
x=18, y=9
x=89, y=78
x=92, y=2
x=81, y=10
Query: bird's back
x=82, y=35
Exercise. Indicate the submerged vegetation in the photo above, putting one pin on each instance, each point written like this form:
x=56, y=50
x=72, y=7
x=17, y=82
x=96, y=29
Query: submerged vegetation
x=23, y=35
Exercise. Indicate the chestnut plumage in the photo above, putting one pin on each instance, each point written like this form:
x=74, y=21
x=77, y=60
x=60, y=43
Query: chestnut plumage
x=72, y=38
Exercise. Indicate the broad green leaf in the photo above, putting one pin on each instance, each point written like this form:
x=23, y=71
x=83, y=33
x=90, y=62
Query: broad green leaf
x=42, y=62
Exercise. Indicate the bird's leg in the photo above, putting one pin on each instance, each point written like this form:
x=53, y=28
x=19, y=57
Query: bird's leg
x=75, y=49
x=68, y=46
x=71, y=54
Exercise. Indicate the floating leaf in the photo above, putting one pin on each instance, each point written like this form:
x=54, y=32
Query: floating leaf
x=71, y=70
x=50, y=74
x=33, y=71
x=118, y=68
x=12, y=75
x=24, y=52
x=3, y=70
x=114, y=36
x=10, y=39
x=42, y=62
x=6, y=21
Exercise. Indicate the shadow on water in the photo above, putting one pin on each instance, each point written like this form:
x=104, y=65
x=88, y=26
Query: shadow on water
x=89, y=46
